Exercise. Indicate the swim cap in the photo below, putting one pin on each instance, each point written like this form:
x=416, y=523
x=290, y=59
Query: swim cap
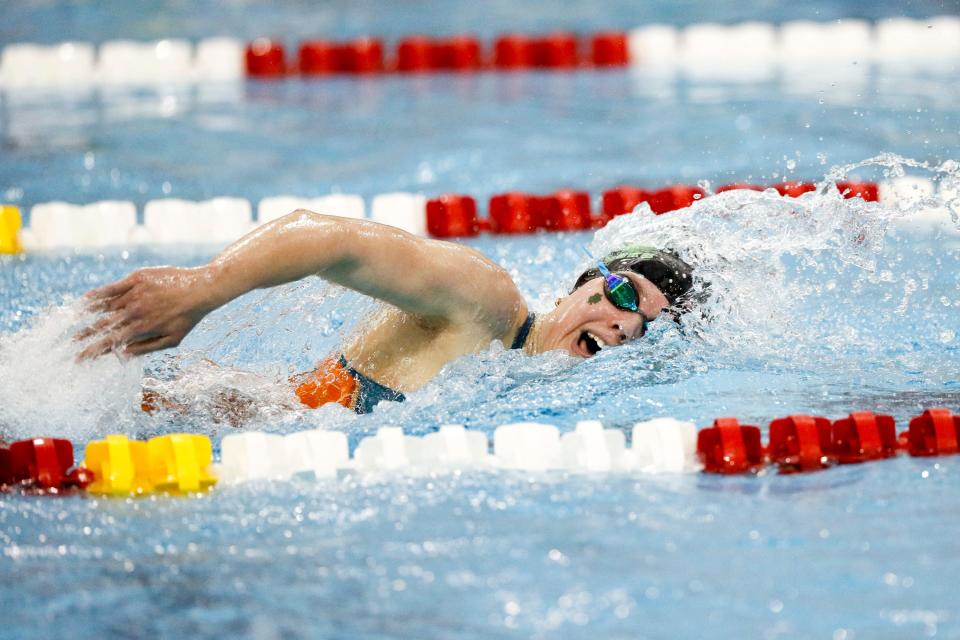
x=665, y=269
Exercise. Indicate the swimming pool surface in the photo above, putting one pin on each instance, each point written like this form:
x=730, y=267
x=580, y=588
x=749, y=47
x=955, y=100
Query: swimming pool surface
x=816, y=306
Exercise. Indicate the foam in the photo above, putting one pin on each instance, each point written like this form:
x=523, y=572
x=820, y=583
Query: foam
x=46, y=391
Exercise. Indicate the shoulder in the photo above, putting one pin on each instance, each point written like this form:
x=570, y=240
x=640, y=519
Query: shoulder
x=495, y=301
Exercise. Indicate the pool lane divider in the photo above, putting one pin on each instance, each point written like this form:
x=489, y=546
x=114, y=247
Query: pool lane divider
x=219, y=221
x=180, y=464
x=737, y=52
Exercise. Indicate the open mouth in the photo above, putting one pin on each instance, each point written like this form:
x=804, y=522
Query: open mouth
x=591, y=343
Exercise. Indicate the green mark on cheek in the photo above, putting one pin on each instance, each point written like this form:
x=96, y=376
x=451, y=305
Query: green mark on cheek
x=595, y=298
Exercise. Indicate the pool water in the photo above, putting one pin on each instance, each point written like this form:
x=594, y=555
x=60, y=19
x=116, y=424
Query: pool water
x=817, y=305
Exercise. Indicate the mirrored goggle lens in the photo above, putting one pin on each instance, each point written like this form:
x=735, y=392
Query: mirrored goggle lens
x=622, y=293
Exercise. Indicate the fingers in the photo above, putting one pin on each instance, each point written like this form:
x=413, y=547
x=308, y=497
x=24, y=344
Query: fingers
x=148, y=345
x=105, y=324
x=117, y=331
x=111, y=290
x=97, y=349
x=121, y=341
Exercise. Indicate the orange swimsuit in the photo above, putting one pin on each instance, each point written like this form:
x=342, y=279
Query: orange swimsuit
x=336, y=381
x=332, y=381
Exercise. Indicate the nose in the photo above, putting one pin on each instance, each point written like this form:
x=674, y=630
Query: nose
x=626, y=332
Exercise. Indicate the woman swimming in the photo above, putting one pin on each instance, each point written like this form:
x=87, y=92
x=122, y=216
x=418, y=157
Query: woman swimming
x=445, y=300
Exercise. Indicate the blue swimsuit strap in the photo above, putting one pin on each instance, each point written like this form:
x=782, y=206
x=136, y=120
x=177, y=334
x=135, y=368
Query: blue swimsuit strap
x=523, y=332
x=370, y=392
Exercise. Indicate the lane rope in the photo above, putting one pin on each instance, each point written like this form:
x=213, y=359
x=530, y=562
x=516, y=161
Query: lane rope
x=179, y=464
x=219, y=221
x=744, y=51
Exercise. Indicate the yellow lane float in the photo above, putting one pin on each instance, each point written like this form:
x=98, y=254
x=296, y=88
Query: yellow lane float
x=119, y=466
x=180, y=463
x=10, y=224
x=175, y=463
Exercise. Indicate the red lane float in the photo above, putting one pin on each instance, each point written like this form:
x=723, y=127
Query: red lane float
x=557, y=51
x=933, y=433
x=514, y=51
x=800, y=443
x=44, y=464
x=728, y=447
x=674, y=197
x=864, y=436
x=570, y=213
x=564, y=210
x=869, y=191
x=265, y=58
x=458, y=53
x=6, y=467
x=568, y=210
x=513, y=212
x=322, y=57
x=609, y=49
x=739, y=185
x=623, y=199
x=794, y=189
x=415, y=54
x=452, y=216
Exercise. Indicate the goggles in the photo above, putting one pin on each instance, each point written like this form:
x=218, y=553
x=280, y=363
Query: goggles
x=620, y=291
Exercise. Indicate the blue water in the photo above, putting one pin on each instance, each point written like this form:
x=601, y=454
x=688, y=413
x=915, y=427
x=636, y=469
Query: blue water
x=45, y=21
x=815, y=307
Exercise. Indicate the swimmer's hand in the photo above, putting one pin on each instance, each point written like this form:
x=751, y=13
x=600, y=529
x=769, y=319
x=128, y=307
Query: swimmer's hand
x=149, y=310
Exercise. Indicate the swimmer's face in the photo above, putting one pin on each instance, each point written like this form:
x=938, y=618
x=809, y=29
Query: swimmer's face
x=586, y=321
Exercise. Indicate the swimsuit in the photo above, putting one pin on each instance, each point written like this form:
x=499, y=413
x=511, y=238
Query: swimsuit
x=334, y=380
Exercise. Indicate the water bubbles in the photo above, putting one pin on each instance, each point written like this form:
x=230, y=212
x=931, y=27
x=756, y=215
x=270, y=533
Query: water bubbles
x=55, y=394
x=947, y=336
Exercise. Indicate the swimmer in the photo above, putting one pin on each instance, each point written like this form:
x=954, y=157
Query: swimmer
x=444, y=300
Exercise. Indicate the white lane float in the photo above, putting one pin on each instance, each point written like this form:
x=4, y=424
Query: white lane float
x=592, y=448
x=385, y=451
x=407, y=211
x=31, y=66
x=216, y=221
x=129, y=62
x=803, y=42
x=665, y=445
x=453, y=447
x=61, y=225
x=527, y=446
x=337, y=204
x=655, y=45
x=745, y=52
x=219, y=60
x=902, y=40
x=252, y=456
x=317, y=453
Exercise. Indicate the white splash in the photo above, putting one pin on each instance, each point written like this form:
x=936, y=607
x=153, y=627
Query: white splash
x=45, y=391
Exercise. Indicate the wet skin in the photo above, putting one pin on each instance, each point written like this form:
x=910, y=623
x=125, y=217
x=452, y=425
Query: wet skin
x=430, y=317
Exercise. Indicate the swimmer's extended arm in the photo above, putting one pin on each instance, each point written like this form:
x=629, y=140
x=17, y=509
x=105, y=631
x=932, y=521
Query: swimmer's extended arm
x=155, y=308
